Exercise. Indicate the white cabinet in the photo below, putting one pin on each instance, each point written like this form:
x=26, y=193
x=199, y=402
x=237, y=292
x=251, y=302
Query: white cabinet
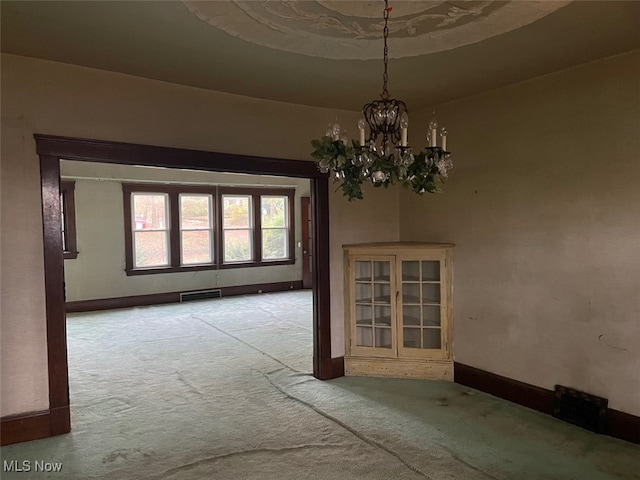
x=398, y=310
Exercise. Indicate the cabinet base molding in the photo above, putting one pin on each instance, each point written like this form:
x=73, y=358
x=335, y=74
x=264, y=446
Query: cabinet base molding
x=398, y=368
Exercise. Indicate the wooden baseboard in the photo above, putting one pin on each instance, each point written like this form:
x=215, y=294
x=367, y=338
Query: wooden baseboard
x=622, y=425
x=618, y=424
x=517, y=392
x=34, y=426
x=174, y=297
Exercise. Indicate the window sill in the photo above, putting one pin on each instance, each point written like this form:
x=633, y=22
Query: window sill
x=196, y=268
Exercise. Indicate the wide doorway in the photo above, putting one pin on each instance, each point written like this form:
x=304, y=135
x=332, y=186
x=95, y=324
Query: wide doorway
x=53, y=149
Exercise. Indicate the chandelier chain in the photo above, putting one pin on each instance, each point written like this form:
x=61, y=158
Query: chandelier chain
x=385, y=34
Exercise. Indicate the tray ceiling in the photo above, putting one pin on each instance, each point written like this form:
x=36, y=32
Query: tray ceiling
x=324, y=53
x=353, y=29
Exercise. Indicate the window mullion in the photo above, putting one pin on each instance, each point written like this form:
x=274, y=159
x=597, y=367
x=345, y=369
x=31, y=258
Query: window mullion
x=174, y=229
x=218, y=254
x=257, y=228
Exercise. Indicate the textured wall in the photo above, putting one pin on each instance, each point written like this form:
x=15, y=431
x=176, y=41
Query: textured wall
x=543, y=205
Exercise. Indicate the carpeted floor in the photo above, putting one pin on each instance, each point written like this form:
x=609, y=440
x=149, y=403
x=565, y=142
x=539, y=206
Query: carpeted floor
x=221, y=389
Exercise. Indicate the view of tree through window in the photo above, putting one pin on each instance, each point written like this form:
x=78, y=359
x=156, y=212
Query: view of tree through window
x=237, y=228
x=196, y=229
x=274, y=217
x=150, y=232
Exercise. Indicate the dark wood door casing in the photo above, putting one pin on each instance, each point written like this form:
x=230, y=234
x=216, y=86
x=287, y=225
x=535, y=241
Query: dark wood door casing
x=53, y=148
x=305, y=207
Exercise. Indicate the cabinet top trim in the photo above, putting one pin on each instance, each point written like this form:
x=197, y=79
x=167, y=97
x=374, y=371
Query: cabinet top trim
x=404, y=245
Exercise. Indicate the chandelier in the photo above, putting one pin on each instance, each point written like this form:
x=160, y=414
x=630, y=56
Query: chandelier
x=384, y=157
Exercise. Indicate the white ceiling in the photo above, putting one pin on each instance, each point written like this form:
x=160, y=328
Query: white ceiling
x=325, y=53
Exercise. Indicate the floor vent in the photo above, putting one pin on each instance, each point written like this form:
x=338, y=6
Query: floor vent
x=204, y=294
x=582, y=409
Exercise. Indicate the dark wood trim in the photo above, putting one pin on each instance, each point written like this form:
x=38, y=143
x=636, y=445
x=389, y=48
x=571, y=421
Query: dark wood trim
x=104, y=151
x=53, y=148
x=198, y=268
x=173, y=191
x=337, y=367
x=128, y=231
x=54, y=286
x=122, y=302
x=256, y=229
x=622, y=425
x=175, y=255
x=321, y=280
x=67, y=192
x=60, y=420
x=217, y=229
x=34, y=426
x=518, y=392
x=22, y=428
x=174, y=297
x=618, y=424
x=305, y=204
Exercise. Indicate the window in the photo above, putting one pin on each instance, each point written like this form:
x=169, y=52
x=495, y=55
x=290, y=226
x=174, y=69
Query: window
x=68, y=216
x=196, y=229
x=275, y=227
x=237, y=228
x=171, y=228
x=150, y=229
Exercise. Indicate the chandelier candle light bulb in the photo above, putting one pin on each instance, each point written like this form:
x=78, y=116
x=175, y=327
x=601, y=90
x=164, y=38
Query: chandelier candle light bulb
x=335, y=130
x=433, y=126
x=362, y=124
x=404, y=125
x=384, y=157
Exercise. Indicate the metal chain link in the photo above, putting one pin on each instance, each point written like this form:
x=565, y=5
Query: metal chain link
x=385, y=33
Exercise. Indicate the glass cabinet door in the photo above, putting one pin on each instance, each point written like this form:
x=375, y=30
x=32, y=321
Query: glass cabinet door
x=373, y=304
x=421, y=306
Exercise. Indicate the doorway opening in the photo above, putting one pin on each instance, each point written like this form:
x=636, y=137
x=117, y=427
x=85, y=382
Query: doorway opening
x=52, y=149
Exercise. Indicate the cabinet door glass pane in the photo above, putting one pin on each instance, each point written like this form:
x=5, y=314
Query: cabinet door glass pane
x=381, y=271
x=363, y=293
x=410, y=271
x=382, y=293
x=363, y=315
x=430, y=293
x=383, y=315
x=411, y=337
x=383, y=337
x=431, y=270
x=363, y=270
x=421, y=300
x=364, y=336
x=431, y=338
x=411, y=315
x=431, y=315
x=410, y=293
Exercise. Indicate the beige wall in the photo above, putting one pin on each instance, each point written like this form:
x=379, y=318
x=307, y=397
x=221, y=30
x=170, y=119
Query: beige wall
x=58, y=99
x=98, y=272
x=543, y=205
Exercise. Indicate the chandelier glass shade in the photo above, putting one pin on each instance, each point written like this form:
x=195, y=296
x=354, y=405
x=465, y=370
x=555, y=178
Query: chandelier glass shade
x=384, y=156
